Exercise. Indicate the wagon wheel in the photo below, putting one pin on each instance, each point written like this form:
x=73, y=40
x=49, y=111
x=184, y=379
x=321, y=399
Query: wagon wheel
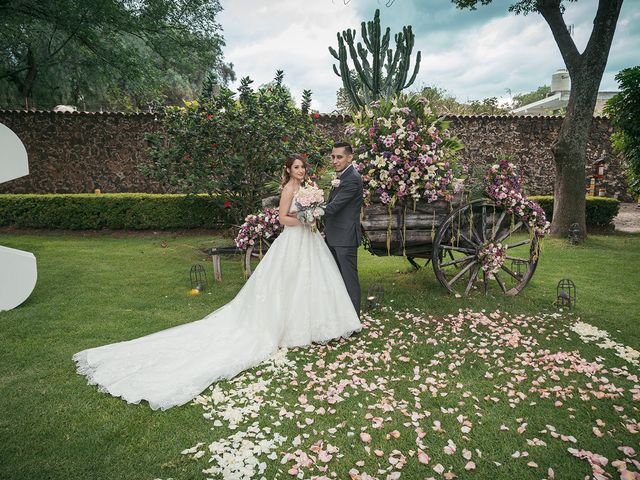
x=463, y=234
x=253, y=253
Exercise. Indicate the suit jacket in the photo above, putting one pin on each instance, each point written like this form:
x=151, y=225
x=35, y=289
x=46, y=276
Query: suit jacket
x=342, y=213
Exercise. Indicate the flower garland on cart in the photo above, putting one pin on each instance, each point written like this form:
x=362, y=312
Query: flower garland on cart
x=257, y=228
x=503, y=185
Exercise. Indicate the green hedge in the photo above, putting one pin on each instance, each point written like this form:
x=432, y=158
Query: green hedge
x=135, y=211
x=600, y=211
x=141, y=211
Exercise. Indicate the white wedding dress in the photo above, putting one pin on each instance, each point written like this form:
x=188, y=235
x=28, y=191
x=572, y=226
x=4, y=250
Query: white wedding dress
x=296, y=296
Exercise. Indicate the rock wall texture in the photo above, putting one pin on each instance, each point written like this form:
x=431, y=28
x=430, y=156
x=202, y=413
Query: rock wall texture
x=80, y=152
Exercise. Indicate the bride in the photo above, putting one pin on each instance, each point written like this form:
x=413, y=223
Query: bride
x=296, y=296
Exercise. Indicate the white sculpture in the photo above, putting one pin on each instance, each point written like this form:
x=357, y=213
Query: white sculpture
x=18, y=271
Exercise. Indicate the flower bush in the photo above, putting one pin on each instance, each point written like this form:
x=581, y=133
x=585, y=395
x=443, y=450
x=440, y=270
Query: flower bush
x=256, y=227
x=404, y=151
x=504, y=186
x=233, y=145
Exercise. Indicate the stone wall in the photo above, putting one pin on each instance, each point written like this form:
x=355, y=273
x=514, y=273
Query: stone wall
x=529, y=141
x=79, y=152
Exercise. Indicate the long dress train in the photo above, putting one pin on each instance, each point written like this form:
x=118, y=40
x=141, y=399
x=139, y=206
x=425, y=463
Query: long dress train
x=296, y=296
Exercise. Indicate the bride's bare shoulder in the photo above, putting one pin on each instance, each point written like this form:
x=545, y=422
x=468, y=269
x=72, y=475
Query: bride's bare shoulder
x=287, y=190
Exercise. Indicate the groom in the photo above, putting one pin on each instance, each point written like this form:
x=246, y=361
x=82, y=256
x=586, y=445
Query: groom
x=342, y=218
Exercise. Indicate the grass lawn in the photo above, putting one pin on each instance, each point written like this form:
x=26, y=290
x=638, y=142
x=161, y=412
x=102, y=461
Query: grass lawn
x=422, y=379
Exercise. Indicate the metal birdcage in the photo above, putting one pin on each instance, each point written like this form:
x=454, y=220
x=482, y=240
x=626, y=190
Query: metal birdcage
x=375, y=295
x=198, y=277
x=575, y=233
x=519, y=267
x=566, y=293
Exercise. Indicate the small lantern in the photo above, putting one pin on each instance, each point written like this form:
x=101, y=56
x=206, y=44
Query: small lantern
x=518, y=267
x=575, y=233
x=599, y=166
x=198, y=278
x=375, y=296
x=566, y=293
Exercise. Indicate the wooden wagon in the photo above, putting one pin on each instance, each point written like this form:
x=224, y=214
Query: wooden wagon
x=452, y=236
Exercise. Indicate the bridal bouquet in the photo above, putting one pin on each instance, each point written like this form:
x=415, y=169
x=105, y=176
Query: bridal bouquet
x=310, y=204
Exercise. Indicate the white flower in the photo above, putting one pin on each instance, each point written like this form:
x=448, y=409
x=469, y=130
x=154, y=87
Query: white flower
x=335, y=183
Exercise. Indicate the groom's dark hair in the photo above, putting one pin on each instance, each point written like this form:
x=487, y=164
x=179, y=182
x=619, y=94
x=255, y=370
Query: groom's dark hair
x=346, y=145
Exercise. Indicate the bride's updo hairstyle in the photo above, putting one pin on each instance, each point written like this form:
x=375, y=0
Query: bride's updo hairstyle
x=286, y=175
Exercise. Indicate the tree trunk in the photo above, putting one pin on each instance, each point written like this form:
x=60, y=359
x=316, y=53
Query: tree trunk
x=570, y=152
x=585, y=70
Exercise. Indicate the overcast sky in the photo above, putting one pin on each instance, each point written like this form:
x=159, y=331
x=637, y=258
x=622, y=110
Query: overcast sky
x=471, y=54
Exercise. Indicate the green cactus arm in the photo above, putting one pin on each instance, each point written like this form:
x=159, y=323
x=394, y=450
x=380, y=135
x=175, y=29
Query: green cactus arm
x=356, y=62
x=415, y=70
x=344, y=72
x=392, y=63
x=404, y=43
x=365, y=35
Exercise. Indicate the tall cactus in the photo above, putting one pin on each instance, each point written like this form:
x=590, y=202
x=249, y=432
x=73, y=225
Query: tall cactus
x=375, y=84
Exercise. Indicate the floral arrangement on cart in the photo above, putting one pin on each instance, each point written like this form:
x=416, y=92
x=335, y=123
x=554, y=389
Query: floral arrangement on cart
x=417, y=204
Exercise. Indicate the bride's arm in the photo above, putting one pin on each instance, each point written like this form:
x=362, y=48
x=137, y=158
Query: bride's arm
x=285, y=204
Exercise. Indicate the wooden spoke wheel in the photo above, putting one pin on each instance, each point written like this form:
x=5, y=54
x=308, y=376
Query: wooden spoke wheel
x=254, y=254
x=461, y=238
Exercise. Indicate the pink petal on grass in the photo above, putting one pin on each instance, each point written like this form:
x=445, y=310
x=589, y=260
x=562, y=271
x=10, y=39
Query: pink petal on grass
x=628, y=451
x=470, y=466
x=423, y=457
x=365, y=437
x=324, y=457
x=438, y=469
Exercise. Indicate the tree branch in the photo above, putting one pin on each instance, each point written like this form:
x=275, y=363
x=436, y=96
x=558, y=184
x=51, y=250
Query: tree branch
x=550, y=10
x=604, y=26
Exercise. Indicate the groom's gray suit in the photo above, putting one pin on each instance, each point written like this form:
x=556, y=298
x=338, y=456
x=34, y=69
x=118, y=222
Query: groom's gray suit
x=342, y=229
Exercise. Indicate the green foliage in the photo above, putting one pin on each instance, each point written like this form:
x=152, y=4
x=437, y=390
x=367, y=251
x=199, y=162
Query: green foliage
x=232, y=147
x=445, y=103
x=523, y=99
x=134, y=211
x=112, y=54
x=600, y=211
x=624, y=110
x=520, y=7
x=375, y=84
